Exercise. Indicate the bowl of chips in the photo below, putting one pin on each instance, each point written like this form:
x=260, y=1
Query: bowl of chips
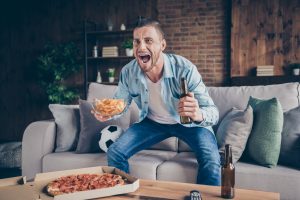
x=108, y=107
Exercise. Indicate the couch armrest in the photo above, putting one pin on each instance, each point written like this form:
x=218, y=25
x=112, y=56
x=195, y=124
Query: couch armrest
x=38, y=141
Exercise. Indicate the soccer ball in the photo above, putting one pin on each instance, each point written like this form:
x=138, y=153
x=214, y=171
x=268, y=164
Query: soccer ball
x=109, y=135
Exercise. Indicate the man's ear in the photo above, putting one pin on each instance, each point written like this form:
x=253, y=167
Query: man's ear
x=163, y=44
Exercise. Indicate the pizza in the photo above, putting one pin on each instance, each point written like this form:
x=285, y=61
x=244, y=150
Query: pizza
x=83, y=182
x=109, y=107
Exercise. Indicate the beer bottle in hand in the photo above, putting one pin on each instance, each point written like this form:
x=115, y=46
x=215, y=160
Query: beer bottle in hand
x=228, y=175
x=184, y=91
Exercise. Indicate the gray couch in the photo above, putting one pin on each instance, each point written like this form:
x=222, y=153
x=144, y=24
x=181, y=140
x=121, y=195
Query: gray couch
x=171, y=159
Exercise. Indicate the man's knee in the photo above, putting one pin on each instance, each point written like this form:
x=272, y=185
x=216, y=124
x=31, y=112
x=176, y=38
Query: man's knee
x=113, y=153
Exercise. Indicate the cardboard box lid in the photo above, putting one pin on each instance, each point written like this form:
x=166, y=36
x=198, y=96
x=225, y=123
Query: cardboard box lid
x=17, y=189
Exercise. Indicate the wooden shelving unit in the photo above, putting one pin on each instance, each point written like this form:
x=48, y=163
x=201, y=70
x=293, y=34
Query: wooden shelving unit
x=103, y=38
x=263, y=80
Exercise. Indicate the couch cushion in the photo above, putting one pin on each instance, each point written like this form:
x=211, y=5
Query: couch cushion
x=142, y=164
x=235, y=129
x=169, y=144
x=290, y=143
x=264, y=141
x=181, y=168
x=281, y=179
x=67, y=120
x=226, y=98
x=145, y=163
x=72, y=160
x=90, y=128
x=100, y=91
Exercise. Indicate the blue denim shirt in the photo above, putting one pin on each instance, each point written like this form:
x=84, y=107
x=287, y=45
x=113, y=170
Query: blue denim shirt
x=133, y=86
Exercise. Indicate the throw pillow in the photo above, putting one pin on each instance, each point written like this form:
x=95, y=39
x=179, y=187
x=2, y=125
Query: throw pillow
x=108, y=136
x=90, y=127
x=67, y=121
x=265, y=138
x=235, y=129
x=290, y=143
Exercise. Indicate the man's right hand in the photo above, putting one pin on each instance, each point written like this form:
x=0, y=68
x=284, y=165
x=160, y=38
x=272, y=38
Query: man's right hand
x=99, y=117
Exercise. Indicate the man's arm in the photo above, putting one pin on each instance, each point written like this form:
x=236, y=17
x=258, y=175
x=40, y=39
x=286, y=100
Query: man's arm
x=207, y=108
x=122, y=90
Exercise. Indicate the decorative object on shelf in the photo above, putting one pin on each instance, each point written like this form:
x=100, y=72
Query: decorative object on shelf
x=123, y=27
x=95, y=51
x=110, y=25
x=55, y=65
x=296, y=68
x=99, y=78
x=128, y=46
x=111, y=51
x=111, y=75
x=296, y=71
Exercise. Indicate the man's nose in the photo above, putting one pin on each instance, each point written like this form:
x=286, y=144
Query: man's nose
x=142, y=45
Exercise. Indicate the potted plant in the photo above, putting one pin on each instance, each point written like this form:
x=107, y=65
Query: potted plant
x=111, y=75
x=128, y=46
x=55, y=65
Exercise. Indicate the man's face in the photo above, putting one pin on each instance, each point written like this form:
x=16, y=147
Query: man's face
x=148, y=45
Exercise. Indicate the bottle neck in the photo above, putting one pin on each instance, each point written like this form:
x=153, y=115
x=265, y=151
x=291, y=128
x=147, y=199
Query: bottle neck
x=228, y=155
x=184, y=89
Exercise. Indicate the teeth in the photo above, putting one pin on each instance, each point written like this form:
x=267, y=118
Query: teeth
x=144, y=54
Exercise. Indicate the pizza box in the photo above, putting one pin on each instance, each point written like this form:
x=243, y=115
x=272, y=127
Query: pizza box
x=16, y=188
x=41, y=181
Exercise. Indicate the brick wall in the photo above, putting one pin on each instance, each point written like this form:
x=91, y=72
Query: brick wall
x=196, y=30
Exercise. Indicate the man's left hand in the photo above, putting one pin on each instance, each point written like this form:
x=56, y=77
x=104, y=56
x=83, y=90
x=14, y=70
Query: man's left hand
x=188, y=106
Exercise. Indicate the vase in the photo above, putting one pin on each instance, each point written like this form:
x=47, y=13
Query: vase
x=111, y=79
x=296, y=71
x=129, y=52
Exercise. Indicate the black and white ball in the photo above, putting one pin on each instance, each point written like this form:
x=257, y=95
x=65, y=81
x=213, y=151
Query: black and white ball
x=108, y=136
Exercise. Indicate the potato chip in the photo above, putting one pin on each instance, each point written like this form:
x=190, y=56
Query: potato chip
x=109, y=107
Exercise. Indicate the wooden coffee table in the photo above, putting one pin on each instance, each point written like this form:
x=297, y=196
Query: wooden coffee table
x=161, y=190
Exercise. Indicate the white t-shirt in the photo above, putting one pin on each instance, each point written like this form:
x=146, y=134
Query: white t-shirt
x=157, y=110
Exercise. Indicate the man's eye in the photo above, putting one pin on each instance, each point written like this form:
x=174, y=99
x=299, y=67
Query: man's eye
x=148, y=41
x=135, y=42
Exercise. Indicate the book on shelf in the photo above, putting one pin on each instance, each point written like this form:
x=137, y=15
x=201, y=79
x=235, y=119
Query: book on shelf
x=111, y=51
x=265, y=66
x=110, y=48
x=265, y=74
x=110, y=54
x=265, y=70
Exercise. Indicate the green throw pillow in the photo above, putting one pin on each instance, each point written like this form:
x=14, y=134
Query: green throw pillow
x=265, y=139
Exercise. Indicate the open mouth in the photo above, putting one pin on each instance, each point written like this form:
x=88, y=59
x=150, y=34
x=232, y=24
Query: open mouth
x=145, y=57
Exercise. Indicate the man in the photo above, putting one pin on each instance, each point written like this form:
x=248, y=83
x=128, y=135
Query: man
x=152, y=80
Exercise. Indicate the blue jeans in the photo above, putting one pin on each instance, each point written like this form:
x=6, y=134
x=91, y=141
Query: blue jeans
x=147, y=133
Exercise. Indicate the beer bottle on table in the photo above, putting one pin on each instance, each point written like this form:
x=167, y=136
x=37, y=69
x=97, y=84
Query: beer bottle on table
x=184, y=91
x=228, y=175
